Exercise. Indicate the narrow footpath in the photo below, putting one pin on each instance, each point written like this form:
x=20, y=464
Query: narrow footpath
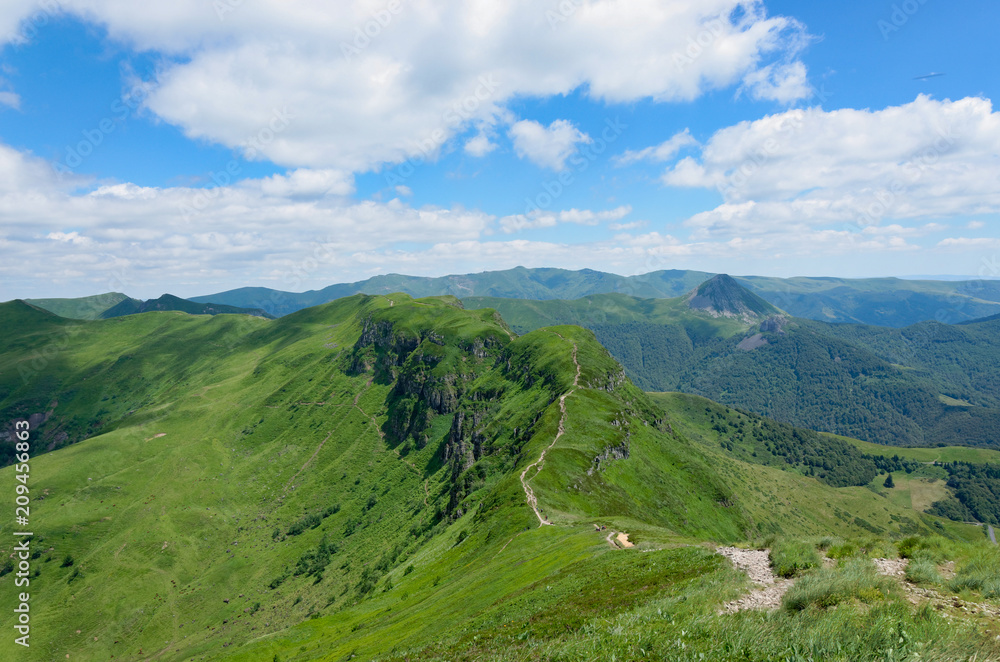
x=529, y=494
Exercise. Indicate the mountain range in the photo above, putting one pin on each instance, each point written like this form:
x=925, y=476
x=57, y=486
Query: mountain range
x=396, y=478
x=877, y=301
x=115, y=304
x=927, y=384
x=888, y=302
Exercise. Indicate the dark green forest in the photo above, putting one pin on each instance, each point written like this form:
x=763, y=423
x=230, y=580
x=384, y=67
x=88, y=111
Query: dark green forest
x=830, y=382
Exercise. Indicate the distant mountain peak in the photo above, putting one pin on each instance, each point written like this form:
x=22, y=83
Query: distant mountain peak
x=169, y=302
x=722, y=296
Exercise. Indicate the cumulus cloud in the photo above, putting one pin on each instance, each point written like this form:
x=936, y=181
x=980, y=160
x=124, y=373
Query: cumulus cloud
x=479, y=146
x=270, y=226
x=290, y=231
x=368, y=86
x=546, y=147
x=804, y=168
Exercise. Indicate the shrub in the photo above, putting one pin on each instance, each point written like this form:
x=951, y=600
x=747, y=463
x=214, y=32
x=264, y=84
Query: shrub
x=310, y=521
x=67, y=562
x=278, y=581
x=855, y=579
x=790, y=557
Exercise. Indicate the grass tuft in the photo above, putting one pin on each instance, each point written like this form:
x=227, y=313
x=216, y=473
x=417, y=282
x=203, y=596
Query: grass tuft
x=853, y=580
x=922, y=570
x=790, y=558
x=980, y=573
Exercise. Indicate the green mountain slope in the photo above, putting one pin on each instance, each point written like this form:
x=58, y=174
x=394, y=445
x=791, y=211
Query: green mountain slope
x=376, y=476
x=880, y=301
x=84, y=308
x=169, y=302
x=931, y=384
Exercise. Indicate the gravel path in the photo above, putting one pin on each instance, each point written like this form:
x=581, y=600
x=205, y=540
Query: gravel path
x=757, y=565
x=891, y=567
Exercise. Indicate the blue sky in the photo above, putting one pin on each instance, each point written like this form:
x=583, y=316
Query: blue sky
x=203, y=146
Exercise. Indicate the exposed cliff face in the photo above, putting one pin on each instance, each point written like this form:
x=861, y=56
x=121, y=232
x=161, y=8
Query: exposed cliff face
x=465, y=440
x=432, y=377
x=381, y=348
x=609, y=380
x=774, y=324
x=619, y=452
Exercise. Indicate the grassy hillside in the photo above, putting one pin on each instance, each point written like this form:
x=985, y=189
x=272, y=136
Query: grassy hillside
x=962, y=484
x=386, y=478
x=83, y=308
x=939, y=454
x=76, y=379
x=881, y=301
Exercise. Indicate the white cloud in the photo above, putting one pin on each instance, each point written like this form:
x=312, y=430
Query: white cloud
x=306, y=183
x=632, y=225
x=25, y=174
x=10, y=99
x=784, y=83
x=806, y=168
x=479, y=146
x=547, y=147
x=69, y=238
x=427, y=73
x=288, y=227
x=976, y=225
x=291, y=231
x=659, y=153
x=546, y=219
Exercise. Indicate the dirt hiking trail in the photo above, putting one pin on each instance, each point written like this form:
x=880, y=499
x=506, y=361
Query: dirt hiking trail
x=529, y=494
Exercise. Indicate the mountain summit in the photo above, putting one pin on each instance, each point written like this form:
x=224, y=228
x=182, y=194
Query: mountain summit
x=722, y=296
